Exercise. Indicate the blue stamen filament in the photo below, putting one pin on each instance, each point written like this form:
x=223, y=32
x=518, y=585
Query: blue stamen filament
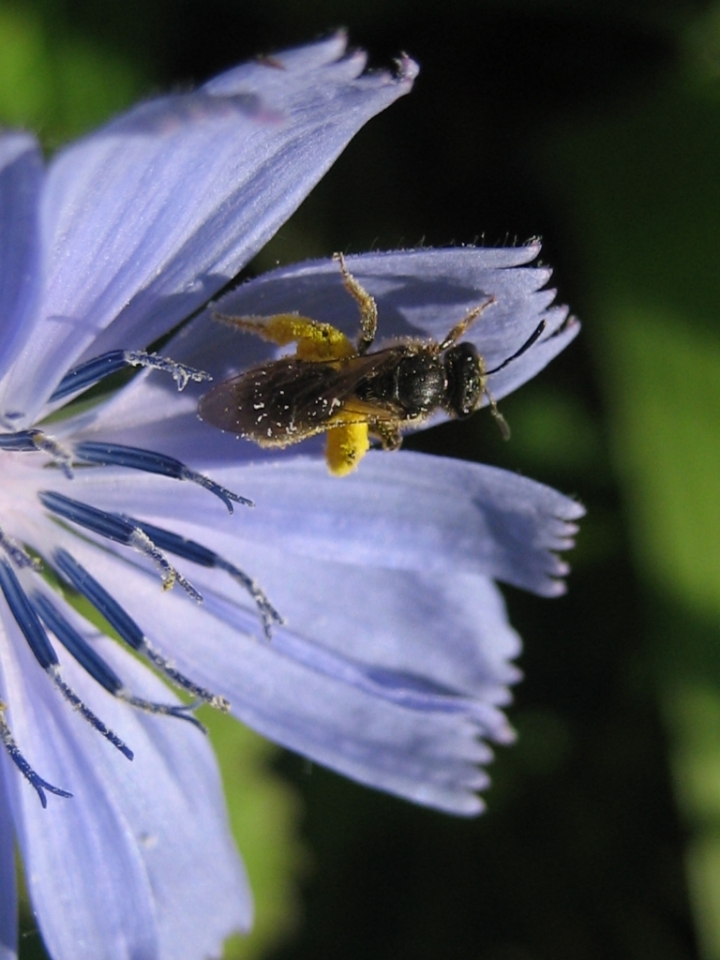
x=37, y=615
x=93, y=371
x=37, y=441
x=115, y=454
x=197, y=553
x=114, y=527
x=19, y=556
x=32, y=629
x=23, y=766
x=82, y=581
x=99, y=670
x=74, y=700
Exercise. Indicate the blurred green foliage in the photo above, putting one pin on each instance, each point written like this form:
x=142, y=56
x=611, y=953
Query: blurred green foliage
x=595, y=125
x=651, y=225
x=263, y=817
x=58, y=82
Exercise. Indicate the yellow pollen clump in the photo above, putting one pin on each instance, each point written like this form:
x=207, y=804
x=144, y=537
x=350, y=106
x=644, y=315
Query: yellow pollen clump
x=346, y=445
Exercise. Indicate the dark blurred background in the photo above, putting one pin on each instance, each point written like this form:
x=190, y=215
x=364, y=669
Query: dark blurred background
x=594, y=125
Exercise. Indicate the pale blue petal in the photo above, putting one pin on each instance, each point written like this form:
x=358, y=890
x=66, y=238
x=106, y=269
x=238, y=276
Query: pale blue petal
x=139, y=862
x=398, y=630
x=77, y=859
x=395, y=656
x=179, y=193
x=174, y=800
x=449, y=631
x=404, y=510
x=429, y=644
x=20, y=180
x=8, y=898
x=428, y=753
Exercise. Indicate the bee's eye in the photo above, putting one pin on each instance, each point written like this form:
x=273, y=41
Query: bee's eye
x=465, y=379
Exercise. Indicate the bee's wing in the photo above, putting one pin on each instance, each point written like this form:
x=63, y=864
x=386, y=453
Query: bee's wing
x=285, y=401
x=264, y=403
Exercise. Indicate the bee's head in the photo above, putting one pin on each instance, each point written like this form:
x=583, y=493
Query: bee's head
x=465, y=373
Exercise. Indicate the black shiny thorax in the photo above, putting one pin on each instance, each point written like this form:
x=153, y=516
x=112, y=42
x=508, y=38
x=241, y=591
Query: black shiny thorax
x=423, y=379
x=414, y=384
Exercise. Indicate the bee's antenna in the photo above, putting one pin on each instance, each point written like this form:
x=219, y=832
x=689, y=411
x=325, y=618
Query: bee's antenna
x=534, y=336
x=499, y=418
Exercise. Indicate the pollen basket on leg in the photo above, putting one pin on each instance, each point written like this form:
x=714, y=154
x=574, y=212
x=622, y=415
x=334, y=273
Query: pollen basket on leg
x=346, y=445
x=285, y=401
x=315, y=340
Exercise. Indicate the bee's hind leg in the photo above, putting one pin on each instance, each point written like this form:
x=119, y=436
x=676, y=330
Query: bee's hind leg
x=366, y=303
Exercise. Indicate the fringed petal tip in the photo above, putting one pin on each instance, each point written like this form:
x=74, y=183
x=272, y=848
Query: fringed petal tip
x=407, y=69
x=229, y=162
x=328, y=59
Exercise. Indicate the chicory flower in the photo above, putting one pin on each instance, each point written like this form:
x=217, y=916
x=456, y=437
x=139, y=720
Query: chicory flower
x=356, y=620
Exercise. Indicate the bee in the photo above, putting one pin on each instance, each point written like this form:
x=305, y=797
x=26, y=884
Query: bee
x=333, y=386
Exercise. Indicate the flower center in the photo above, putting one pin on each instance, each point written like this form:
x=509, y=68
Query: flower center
x=40, y=577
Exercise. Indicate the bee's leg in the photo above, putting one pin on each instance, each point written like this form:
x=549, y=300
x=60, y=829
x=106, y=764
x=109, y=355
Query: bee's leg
x=346, y=445
x=366, y=303
x=315, y=340
x=281, y=328
x=388, y=434
x=467, y=321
